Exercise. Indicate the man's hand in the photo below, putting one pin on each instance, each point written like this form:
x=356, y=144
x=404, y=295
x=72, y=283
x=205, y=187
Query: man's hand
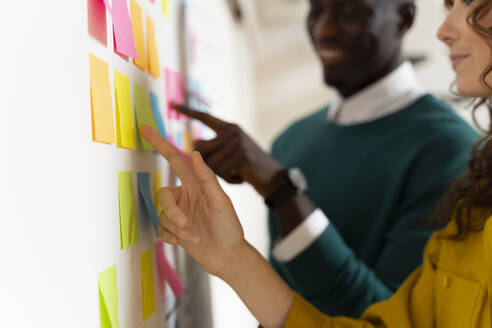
x=233, y=155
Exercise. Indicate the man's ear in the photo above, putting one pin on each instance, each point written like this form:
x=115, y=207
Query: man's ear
x=407, y=12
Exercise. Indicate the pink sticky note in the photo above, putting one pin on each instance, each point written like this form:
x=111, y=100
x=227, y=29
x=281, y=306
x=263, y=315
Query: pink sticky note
x=122, y=28
x=169, y=85
x=180, y=99
x=96, y=13
x=175, y=86
x=166, y=271
x=124, y=57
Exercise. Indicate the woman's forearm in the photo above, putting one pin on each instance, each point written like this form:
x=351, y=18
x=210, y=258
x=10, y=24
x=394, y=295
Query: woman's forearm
x=260, y=288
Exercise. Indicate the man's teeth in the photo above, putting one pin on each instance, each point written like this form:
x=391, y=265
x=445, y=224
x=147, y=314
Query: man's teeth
x=331, y=53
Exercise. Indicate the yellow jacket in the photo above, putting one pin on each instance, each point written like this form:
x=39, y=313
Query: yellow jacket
x=452, y=289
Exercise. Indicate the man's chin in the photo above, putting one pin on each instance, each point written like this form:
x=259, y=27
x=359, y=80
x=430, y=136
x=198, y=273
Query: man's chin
x=335, y=82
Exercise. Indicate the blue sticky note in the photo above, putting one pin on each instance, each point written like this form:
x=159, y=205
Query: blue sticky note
x=154, y=102
x=145, y=195
x=180, y=140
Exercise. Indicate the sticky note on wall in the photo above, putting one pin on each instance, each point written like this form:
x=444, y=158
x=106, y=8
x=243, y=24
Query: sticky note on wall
x=125, y=125
x=96, y=14
x=157, y=184
x=108, y=298
x=127, y=209
x=156, y=110
x=153, y=60
x=138, y=34
x=145, y=196
x=101, y=101
x=143, y=112
x=166, y=271
x=174, y=85
x=165, y=7
x=122, y=28
x=147, y=276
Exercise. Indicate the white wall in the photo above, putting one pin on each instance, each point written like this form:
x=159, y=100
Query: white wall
x=59, y=218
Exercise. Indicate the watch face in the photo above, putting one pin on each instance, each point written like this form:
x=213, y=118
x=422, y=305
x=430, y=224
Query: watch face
x=298, y=179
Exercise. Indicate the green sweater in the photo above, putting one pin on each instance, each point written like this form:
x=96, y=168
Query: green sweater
x=377, y=183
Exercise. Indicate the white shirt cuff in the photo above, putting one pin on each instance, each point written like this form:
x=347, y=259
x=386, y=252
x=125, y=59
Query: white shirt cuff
x=301, y=237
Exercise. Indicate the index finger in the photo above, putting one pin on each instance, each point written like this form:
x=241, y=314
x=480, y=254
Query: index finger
x=176, y=159
x=211, y=121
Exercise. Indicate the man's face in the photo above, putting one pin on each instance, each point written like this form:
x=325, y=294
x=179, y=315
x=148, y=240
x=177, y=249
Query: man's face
x=354, y=38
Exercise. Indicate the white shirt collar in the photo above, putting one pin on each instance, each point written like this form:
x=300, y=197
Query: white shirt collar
x=395, y=91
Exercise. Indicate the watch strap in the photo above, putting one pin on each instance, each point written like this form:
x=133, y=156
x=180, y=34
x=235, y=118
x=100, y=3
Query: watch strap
x=284, y=192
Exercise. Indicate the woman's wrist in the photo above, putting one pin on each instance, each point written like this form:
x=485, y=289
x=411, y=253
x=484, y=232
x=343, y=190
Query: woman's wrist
x=235, y=264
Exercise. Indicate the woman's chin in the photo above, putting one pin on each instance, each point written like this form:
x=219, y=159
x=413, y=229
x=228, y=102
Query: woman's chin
x=472, y=89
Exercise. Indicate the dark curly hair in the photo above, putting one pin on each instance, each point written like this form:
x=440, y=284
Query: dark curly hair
x=469, y=200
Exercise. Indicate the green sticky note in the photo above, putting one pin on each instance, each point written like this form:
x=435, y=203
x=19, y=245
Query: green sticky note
x=147, y=275
x=143, y=113
x=108, y=298
x=125, y=126
x=128, y=210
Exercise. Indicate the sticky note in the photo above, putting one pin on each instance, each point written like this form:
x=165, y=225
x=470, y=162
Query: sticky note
x=101, y=101
x=108, y=298
x=165, y=7
x=166, y=271
x=125, y=125
x=156, y=110
x=96, y=14
x=174, y=88
x=179, y=140
x=153, y=60
x=127, y=209
x=170, y=86
x=187, y=142
x=145, y=196
x=143, y=112
x=138, y=34
x=157, y=184
x=147, y=276
x=122, y=28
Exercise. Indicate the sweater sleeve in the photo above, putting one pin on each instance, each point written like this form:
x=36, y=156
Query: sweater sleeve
x=333, y=279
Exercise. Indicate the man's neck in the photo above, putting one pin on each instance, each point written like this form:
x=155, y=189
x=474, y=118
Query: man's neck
x=349, y=89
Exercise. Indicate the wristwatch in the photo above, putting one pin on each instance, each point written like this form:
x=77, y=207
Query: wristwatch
x=291, y=183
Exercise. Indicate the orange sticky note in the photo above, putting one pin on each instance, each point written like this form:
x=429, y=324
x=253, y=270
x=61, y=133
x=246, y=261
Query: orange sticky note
x=154, y=68
x=147, y=276
x=125, y=124
x=101, y=101
x=138, y=34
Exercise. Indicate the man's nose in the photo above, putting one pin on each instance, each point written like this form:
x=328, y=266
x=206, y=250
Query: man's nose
x=326, y=26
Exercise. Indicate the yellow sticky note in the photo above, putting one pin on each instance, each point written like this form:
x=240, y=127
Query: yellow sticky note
x=157, y=184
x=101, y=102
x=138, y=35
x=165, y=7
x=108, y=298
x=154, y=68
x=125, y=125
x=128, y=210
x=147, y=275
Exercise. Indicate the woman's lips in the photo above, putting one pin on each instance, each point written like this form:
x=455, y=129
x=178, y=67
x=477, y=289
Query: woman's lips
x=456, y=60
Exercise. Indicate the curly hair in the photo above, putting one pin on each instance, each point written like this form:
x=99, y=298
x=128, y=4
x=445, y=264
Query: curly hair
x=469, y=200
